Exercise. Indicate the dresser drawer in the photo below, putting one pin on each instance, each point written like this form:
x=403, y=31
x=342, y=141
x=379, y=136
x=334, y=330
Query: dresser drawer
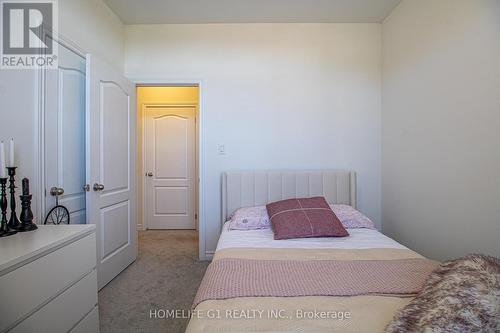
x=89, y=324
x=34, y=284
x=61, y=314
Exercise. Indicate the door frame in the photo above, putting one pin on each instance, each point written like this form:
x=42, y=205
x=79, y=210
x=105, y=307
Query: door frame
x=39, y=130
x=201, y=153
x=142, y=201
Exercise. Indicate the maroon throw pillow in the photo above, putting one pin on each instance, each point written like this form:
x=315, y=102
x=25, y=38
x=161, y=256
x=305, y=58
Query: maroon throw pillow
x=304, y=217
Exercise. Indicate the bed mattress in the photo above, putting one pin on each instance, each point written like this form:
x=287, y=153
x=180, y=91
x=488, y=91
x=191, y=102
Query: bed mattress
x=317, y=313
x=263, y=238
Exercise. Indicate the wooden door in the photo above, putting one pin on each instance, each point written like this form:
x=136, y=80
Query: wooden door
x=170, y=141
x=111, y=151
x=64, y=134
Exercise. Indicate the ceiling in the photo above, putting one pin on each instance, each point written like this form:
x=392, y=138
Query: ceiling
x=251, y=11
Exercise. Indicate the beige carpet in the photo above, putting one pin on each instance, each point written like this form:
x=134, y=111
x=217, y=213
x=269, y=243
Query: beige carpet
x=166, y=275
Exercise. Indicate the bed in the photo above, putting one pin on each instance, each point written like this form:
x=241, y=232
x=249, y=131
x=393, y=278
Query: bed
x=217, y=309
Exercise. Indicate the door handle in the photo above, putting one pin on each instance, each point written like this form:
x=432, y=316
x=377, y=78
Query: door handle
x=56, y=191
x=149, y=174
x=98, y=187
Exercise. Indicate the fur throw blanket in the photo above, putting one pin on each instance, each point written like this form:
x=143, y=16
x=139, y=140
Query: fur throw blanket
x=461, y=295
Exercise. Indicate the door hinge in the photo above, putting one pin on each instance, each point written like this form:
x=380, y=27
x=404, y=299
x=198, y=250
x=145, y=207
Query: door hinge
x=195, y=216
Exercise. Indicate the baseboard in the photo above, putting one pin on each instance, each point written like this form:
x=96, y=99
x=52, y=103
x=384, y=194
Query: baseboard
x=209, y=255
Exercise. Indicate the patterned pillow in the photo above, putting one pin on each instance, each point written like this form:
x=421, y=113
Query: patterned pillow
x=352, y=218
x=249, y=218
x=301, y=218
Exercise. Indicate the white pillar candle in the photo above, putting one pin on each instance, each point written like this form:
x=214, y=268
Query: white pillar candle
x=12, y=163
x=2, y=161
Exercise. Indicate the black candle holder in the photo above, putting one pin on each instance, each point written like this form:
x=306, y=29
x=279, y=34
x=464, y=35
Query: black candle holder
x=26, y=216
x=4, y=228
x=13, y=220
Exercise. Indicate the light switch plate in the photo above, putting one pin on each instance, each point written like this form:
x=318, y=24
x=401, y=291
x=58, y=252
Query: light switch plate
x=221, y=149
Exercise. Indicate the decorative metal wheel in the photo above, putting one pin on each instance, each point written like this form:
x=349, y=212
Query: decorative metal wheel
x=57, y=215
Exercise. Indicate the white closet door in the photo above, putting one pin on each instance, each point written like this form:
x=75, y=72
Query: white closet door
x=111, y=105
x=64, y=134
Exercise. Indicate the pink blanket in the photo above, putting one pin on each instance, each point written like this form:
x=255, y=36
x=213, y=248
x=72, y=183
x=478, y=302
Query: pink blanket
x=229, y=278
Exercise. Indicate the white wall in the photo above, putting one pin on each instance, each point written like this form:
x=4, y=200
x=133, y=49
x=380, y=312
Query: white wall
x=93, y=27
x=276, y=95
x=441, y=126
x=18, y=97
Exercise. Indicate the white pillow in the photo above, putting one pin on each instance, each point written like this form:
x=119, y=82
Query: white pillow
x=352, y=218
x=250, y=218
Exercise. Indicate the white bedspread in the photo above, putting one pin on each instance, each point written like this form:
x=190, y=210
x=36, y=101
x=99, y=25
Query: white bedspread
x=263, y=238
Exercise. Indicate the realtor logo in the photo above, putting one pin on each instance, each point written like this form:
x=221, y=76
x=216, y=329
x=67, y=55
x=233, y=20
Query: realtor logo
x=27, y=29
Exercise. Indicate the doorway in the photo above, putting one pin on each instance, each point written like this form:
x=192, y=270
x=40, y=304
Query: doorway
x=167, y=117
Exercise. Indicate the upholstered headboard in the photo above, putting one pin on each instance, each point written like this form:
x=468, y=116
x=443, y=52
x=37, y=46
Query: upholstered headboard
x=255, y=188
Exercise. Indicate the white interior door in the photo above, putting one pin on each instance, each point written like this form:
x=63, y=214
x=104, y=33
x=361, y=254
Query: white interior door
x=111, y=167
x=170, y=141
x=64, y=134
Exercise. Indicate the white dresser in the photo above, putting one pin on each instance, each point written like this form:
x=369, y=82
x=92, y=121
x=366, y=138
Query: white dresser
x=48, y=280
